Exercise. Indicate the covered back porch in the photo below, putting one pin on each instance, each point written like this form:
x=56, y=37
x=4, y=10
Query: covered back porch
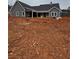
x=36, y=14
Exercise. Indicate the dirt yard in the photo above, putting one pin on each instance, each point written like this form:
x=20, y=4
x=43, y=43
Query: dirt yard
x=38, y=38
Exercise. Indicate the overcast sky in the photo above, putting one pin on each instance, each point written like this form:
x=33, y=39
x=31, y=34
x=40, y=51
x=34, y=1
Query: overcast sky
x=64, y=4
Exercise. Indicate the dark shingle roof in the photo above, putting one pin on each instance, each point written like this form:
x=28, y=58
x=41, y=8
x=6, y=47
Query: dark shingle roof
x=24, y=5
x=65, y=11
x=44, y=7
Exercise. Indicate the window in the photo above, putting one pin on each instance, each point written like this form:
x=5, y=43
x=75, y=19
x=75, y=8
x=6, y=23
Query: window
x=23, y=14
x=54, y=14
x=17, y=13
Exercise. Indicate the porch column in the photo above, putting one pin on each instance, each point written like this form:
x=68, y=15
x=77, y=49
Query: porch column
x=59, y=14
x=32, y=14
x=49, y=14
x=37, y=14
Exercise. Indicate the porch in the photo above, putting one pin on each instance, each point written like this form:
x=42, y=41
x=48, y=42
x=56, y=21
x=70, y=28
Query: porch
x=36, y=14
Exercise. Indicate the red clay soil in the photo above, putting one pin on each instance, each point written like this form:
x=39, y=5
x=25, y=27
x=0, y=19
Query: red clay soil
x=39, y=38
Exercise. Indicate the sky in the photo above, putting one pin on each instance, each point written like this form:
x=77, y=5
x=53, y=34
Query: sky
x=64, y=4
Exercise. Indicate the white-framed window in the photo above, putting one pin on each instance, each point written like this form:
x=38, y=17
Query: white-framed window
x=54, y=14
x=17, y=13
x=23, y=13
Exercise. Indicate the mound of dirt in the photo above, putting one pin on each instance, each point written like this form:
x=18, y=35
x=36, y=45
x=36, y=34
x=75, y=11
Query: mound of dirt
x=39, y=38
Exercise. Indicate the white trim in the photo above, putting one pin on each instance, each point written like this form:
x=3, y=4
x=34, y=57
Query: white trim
x=31, y=9
x=36, y=10
x=54, y=14
x=54, y=7
x=16, y=3
x=21, y=6
x=48, y=10
x=22, y=13
x=32, y=14
x=17, y=13
x=12, y=7
x=44, y=11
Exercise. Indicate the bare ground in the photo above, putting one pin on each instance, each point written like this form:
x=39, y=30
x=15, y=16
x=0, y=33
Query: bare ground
x=39, y=38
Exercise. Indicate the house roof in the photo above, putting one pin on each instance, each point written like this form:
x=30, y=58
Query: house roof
x=44, y=7
x=9, y=7
x=65, y=11
x=24, y=5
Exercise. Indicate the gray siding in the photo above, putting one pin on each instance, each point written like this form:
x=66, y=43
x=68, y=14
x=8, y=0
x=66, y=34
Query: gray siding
x=17, y=7
x=54, y=10
x=22, y=13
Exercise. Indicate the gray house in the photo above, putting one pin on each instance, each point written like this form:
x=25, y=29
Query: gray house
x=23, y=10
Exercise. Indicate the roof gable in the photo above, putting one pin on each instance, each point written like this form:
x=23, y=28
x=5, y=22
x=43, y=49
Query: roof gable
x=24, y=5
x=16, y=4
x=44, y=7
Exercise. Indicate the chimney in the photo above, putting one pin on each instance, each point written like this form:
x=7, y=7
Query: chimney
x=50, y=2
x=17, y=0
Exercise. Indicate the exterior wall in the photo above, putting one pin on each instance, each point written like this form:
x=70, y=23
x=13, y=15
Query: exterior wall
x=17, y=7
x=54, y=10
x=67, y=13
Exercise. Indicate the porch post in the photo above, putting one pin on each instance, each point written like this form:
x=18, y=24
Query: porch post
x=37, y=14
x=32, y=14
x=49, y=14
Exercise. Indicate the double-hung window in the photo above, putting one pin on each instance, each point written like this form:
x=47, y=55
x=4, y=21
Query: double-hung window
x=54, y=14
x=23, y=13
x=17, y=13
